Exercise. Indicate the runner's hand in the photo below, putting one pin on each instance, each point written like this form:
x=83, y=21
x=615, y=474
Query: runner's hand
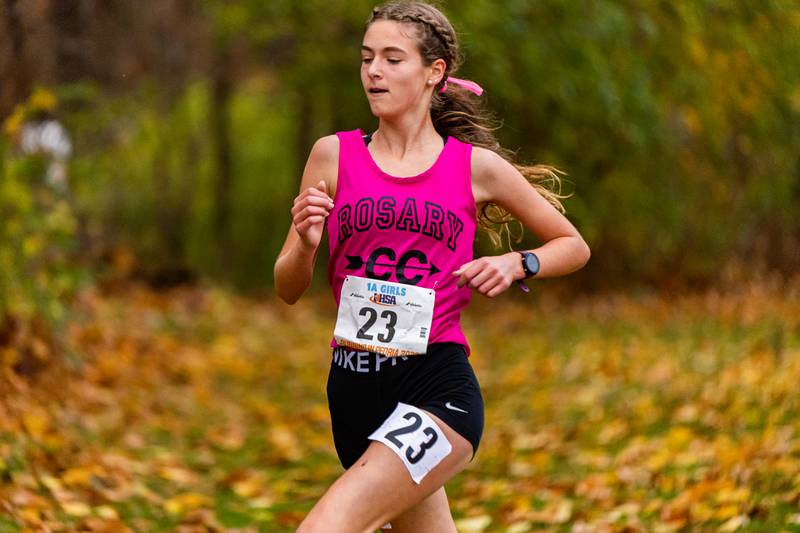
x=491, y=275
x=309, y=212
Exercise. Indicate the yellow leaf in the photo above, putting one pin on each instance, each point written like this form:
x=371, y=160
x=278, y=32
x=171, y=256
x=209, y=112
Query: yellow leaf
x=261, y=502
x=40, y=349
x=36, y=424
x=595, y=487
x=107, y=512
x=521, y=469
x=686, y=414
x=519, y=527
x=140, y=489
x=76, y=508
x=726, y=511
x=247, y=488
x=563, y=512
x=556, y=512
x=186, y=502
x=81, y=475
x=29, y=500
x=669, y=526
x=13, y=123
x=42, y=99
x=531, y=441
x=541, y=460
x=285, y=442
x=475, y=524
x=31, y=516
x=659, y=460
x=9, y=357
x=54, y=442
x=611, y=432
x=697, y=51
x=626, y=510
x=733, y=495
x=678, y=437
x=179, y=475
x=702, y=512
x=32, y=245
x=230, y=438
x=734, y=523
x=51, y=482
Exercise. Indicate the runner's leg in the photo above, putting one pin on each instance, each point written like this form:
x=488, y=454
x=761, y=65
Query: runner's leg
x=432, y=515
x=378, y=487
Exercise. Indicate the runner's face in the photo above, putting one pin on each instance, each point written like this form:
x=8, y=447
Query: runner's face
x=391, y=61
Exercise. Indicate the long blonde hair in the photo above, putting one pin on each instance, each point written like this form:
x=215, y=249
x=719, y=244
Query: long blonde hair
x=457, y=112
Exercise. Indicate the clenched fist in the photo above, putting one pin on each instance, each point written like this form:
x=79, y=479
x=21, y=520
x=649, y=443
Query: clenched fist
x=309, y=212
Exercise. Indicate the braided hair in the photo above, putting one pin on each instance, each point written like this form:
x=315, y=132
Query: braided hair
x=457, y=112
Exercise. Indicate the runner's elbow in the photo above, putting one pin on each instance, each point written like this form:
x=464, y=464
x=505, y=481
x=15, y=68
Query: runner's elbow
x=289, y=295
x=287, y=298
x=285, y=290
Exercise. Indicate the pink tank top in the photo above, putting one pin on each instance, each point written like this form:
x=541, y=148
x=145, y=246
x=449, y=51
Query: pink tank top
x=415, y=230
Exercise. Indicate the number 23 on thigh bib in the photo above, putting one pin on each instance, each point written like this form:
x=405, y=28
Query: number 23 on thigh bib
x=384, y=317
x=415, y=438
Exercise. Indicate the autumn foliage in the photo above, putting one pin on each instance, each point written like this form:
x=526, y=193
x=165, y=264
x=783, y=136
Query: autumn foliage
x=197, y=410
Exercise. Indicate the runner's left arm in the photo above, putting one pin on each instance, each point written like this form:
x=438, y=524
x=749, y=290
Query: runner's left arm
x=564, y=249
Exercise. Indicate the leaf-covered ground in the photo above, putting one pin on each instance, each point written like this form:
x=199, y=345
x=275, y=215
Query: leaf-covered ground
x=196, y=410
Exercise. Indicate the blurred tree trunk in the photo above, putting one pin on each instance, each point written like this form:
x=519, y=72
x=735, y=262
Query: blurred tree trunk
x=221, y=84
x=172, y=206
x=15, y=77
x=70, y=58
x=305, y=133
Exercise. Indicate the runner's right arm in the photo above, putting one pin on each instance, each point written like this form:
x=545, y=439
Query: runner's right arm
x=294, y=267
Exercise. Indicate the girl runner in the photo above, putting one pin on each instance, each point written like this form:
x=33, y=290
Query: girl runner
x=401, y=206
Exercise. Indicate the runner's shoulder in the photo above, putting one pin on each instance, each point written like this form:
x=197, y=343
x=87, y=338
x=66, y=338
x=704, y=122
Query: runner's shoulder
x=323, y=160
x=325, y=151
x=327, y=146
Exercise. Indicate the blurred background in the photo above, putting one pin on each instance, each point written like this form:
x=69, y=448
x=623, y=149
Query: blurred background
x=190, y=122
x=163, y=143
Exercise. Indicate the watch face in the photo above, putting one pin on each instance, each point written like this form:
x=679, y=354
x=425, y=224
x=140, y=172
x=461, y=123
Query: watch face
x=531, y=263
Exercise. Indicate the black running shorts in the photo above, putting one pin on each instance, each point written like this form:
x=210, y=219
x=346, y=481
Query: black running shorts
x=364, y=388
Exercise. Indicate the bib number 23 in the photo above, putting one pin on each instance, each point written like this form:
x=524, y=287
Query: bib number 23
x=391, y=320
x=415, y=438
x=384, y=317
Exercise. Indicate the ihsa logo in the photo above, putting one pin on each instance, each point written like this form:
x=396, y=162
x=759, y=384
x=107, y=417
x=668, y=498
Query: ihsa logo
x=383, y=299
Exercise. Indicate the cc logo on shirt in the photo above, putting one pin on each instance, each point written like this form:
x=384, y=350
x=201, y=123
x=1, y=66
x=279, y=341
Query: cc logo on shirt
x=384, y=258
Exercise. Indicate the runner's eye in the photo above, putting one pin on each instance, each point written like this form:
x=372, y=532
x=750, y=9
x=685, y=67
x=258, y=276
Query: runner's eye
x=366, y=60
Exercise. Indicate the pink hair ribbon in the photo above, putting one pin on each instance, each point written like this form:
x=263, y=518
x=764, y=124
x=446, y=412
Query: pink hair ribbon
x=467, y=84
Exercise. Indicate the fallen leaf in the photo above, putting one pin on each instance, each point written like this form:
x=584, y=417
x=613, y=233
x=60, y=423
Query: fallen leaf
x=475, y=524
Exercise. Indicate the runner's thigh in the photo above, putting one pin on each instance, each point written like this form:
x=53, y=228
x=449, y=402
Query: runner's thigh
x=378, y=487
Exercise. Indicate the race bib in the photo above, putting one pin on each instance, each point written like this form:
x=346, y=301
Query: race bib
x=384, y=317
x=415, y=438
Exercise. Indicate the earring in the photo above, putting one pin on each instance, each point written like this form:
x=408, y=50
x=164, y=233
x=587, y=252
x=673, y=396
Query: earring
x=430, y=82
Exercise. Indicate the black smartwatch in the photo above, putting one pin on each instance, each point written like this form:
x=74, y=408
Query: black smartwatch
x=530, y=264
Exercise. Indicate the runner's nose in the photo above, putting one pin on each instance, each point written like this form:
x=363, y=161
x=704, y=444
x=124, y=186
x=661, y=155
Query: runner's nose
x=373, y=71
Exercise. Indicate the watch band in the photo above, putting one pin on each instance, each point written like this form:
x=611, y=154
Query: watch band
x=521, y=282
